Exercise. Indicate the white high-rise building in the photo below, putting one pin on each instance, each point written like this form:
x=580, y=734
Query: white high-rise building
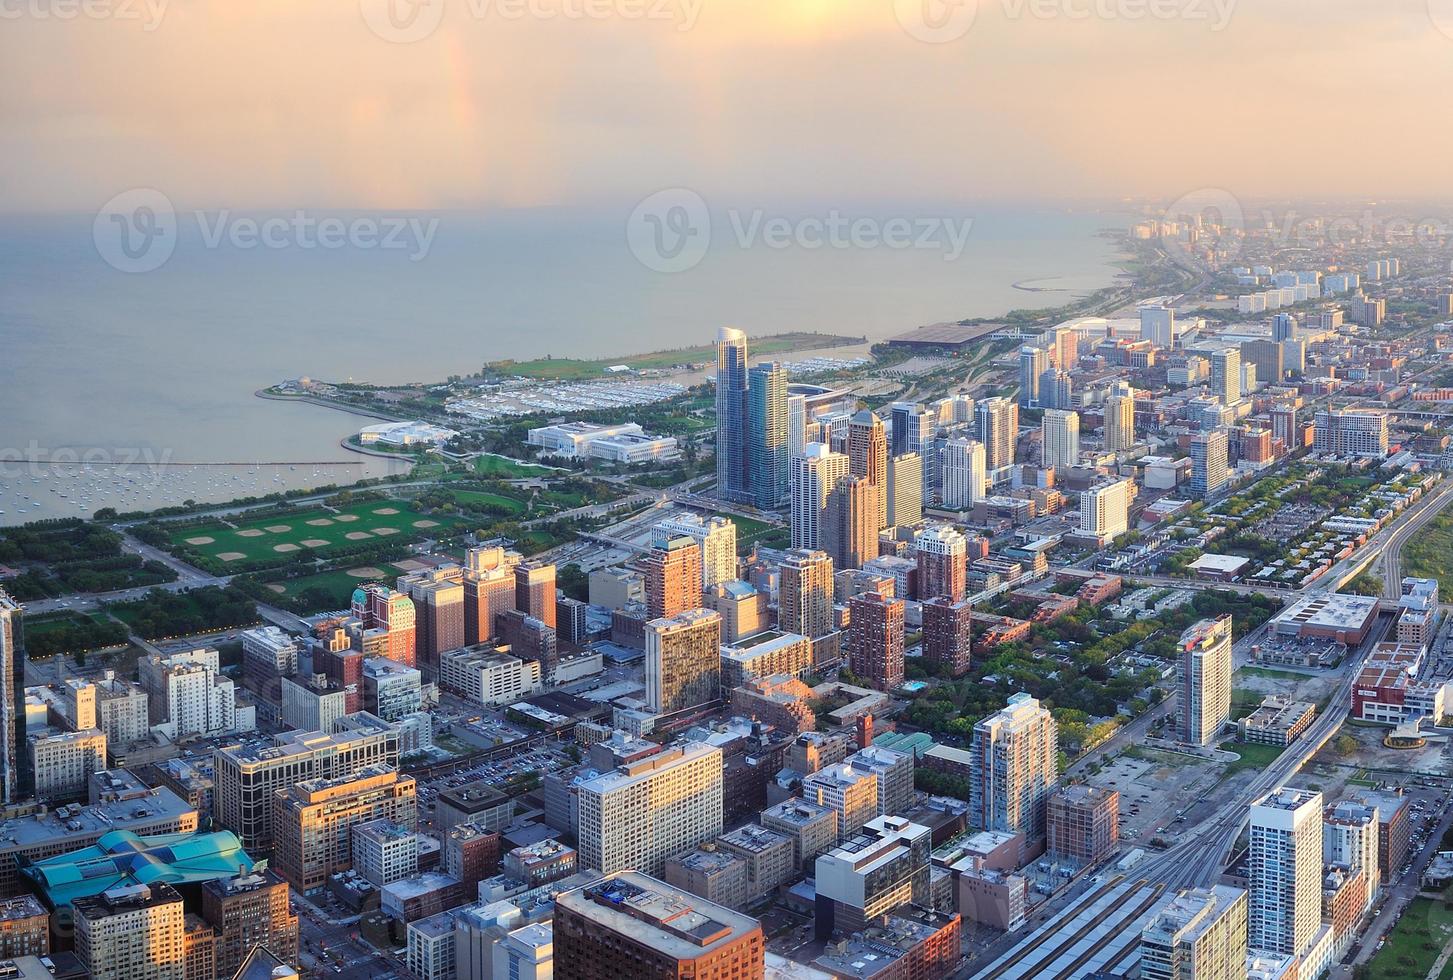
x=998, y=431
x=1284, y=867
x=1226, y=375
x=1105, y=510
x=1206, y=668
x=1158, y=325
x=716, y=537
x=1013, y=766
x=964, y=473
x=1120, y=419
x=1208, y=463
x=188, y=695
x=905, y=490
x=1061, y=433
x=814, y=477
x=1199, y=935
x=647, y=811
x=796, y=425
x=1350, y=433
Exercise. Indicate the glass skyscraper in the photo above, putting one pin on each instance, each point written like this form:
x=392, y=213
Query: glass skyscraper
x=768, y=454
x=731, y=416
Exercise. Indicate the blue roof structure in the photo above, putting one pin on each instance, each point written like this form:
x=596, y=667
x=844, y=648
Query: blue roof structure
x=122, y=858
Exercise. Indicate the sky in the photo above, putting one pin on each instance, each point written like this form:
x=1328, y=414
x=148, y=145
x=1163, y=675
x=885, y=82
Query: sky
x=443, y=104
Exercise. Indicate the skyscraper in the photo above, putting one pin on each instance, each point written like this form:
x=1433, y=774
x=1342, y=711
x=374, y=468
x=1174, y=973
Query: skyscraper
x=379, y=607
x=912, y=428
x=806, y=594
x=796, y=426
x=998, y=431
x=438, y=597
x=814, y=477
x=1061, y=434
x=1268, y=357
x=850, y=523
x=1158, y=325
x=1056, y=389
x=1226, y=375
x=731, y=415
x=489, y=589
x=715, y=536
x=875, y=639
x=1013, y=765
x=1350, y=432
x=1033, y=362
x=947, y=634
x=535, y=591
x=1105, y=510
x=18, y=777
x=1205, y=680
x=1208, y=463
x=683, y=661
x=963, y=473
x=1200, y=933
x=767, y=450
x=905, y=490
x=1284, y=426
x=868, y=457
x=943, y=555
x=1284, y=869
x=673, y=578
x=644, y=811
x=1283, y=327
x=1120, y=419
x=1350, y=836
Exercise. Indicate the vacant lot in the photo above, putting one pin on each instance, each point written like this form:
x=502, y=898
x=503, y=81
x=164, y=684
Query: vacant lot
x=316, y=531
x=1430, y=553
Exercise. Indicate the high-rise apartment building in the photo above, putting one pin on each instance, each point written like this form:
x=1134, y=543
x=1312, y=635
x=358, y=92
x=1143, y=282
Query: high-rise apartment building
x=1120, y=419
x=489, y=590
x=849, y=527
x=806, y=593
x=1056, y=389
x=646, y=811
x=16, y=776
x=246, y=775
x=905, y=490
x=673, y=578
x=913, y=427
x=1033, y=362
x=683, y=661
x=1283, y=327
x=1350, y=832
x=377, y=607
x=64, y=762
x=875, y=639
x=632, y=925
x=134, y=932
x=868, y=458
x=943, y=555
x=849, y=792
x=947, y=633
x=814, y=478
x=1201, y=933
x=998, y=431
x=1082, y=824
x=1284, y=869
x=1060, y=431
x=1350, y=432
x=1269, y=358
x=268, y=655
x=1284, y=427
x=1206, y=668
x=313, y=821
x=1105, y=510
x=1013, y=765
x=964, y=473
x=535, y=591
x=248, y=911
x=1208, y=463
x=767, y=451
x=439, y=611
x=731, y=415
x=716, y=537
x=1226, y=375
x=188, y=695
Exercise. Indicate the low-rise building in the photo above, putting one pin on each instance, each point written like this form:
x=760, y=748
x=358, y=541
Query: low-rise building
x=1278, y=721
x=769, y=856
x=1083, y=823
x=812, y=827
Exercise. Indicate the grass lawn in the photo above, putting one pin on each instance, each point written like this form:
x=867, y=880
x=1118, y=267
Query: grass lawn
x=570, y=369
x=338, y=585
x=1430, y=553
x=1252, y=756
x=751, y=531
x=1272, y=674
x=514, y=504
x=1244, y=702
x=1415, y=942
x=51, y=622
x=502, y=467
x=315, y=530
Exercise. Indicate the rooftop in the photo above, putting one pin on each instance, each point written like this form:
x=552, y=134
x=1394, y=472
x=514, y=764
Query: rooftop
x=653, y=913
x=161, y=805
x=122, y=858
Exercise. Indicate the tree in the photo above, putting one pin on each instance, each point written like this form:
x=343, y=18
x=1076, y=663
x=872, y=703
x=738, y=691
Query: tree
x=1345, y=745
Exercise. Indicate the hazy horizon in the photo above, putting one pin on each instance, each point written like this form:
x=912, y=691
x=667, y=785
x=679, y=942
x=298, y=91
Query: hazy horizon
x=541, y=103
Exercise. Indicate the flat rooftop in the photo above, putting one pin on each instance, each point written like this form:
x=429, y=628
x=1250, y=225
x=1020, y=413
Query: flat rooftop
x=651, y=912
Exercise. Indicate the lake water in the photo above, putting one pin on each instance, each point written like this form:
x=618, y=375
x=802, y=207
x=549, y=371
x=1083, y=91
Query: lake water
x=160, y=367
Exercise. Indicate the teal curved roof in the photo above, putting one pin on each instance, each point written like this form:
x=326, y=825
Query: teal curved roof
x=121, y=857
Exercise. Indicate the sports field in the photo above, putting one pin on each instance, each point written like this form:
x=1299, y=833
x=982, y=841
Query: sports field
x=318, y=530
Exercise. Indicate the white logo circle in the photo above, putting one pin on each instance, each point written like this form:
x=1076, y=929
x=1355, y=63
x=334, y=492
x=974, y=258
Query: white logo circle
x=936, y=21
x=670, y=231
x=136, y=231
x=1209, y=206
x=1440, y=12
x=402, y=21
